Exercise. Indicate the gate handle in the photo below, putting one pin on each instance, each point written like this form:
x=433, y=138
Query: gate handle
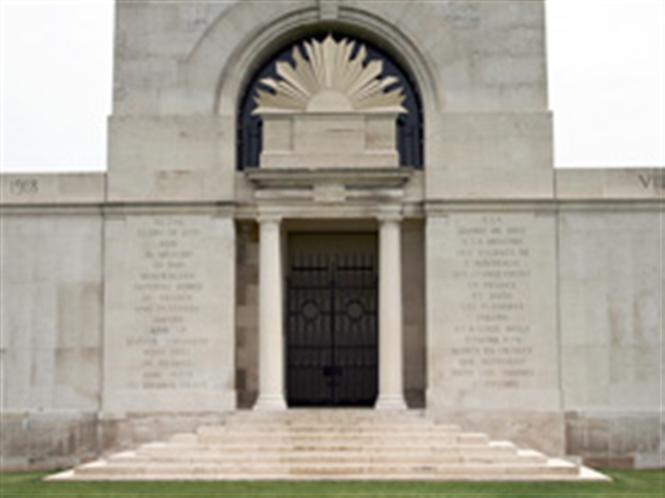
x=332, y=371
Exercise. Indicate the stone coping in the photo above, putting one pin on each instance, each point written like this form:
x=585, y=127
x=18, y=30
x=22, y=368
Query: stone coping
x=610, y=183
x=571, y=185
x=52, y=188
x=350, y=177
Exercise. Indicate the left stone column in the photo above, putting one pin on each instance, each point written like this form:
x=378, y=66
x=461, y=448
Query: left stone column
x=271, y=338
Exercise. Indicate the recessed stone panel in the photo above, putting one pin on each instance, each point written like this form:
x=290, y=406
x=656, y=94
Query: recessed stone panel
x=492, y=337
x=169, y=313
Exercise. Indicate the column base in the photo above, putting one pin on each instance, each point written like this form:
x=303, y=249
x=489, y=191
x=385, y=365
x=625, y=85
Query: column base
x=270, y=403
x=390, y=402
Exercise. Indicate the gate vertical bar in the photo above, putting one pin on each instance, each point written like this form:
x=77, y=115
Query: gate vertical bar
x=332, y=269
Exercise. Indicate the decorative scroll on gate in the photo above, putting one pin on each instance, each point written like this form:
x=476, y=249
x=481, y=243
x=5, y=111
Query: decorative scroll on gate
x=331, y=330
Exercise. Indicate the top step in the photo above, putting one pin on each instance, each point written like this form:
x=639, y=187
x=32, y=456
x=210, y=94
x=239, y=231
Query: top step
x=297, y=416
x=340, y=429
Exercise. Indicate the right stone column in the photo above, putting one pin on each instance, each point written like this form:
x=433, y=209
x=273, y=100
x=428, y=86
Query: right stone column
x=391, y=392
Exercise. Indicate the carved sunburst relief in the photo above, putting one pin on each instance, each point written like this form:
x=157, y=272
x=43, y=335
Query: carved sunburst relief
x=330, y=79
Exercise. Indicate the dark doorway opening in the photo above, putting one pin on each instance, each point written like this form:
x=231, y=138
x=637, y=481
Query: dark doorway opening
x=331, y=319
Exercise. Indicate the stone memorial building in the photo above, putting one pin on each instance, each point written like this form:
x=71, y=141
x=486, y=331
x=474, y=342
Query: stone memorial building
x=332, y=204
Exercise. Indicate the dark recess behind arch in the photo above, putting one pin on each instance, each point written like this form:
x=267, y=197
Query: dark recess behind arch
x=409, y=127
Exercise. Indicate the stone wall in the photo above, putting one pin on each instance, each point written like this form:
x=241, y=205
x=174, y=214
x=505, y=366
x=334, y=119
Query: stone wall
x=533, y=297
x=51, y=349
x=180, y=69
x=611, y=280
x=67, y=351
x=413, y=295
x=169, y=320
x=610, y=277
x=492, y=332
x=52, y=311
x=247, y=313
x=169, y=56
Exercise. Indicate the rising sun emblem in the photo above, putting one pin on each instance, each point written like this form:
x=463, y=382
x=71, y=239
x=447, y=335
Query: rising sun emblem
x=333, y=77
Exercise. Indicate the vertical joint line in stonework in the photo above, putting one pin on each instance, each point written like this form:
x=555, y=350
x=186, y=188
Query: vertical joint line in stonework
x=558, y=296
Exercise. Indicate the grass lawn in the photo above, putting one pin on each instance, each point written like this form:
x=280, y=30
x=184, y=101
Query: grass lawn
x=627, y=484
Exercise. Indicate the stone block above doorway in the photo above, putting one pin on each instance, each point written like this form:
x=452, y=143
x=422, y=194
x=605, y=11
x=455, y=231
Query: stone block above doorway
x=329, y=140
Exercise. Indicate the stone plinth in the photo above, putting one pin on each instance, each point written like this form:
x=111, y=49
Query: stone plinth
x=325, y=140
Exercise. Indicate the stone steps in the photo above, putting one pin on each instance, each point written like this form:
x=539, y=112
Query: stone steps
x=330, y=445
x=493, y=449
x=361, y=439
x=237, y=470
x=421, y=458
x=326, y=429
x=330, y=414
x=320, y=468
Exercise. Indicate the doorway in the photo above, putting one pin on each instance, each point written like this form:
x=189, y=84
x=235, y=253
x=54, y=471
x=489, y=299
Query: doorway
x=331, y=319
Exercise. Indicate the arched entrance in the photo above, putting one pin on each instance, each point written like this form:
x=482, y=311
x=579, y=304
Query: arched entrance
x=409, y=129
x=329, y=132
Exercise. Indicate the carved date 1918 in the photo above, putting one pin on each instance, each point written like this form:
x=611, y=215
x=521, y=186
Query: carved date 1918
x=24, y=186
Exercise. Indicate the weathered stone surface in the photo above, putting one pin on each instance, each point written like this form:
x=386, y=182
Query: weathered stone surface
x=413, y=295
x=51, y=311
x=611, y=276
x=337, y=445
x=63, y=188
x=330, y=140
x=492, y=156
x=531, y=296
x=610, y=184
x=615, y=438
x=492, y=342
x=247, y=314
x=169, y=317
x=33, y=440
x=170, y=158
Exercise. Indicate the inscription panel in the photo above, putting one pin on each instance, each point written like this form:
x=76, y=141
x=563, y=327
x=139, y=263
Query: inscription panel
x=493, y=331
x=492, y=319
x=170, y=317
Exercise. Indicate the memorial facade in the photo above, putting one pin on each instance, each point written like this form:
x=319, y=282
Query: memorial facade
x=332, y=204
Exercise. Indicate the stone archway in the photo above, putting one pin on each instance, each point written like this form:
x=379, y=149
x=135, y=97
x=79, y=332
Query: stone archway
x=409, y=123
x=262, y=29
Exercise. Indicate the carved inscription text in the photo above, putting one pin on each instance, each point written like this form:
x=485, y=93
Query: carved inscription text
x=167, y=288
x=492, y=334
x=24, y=186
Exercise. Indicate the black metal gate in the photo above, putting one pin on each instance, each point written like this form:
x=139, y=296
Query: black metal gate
x=331, y=330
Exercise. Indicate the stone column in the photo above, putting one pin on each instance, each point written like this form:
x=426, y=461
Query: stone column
x=391, y=392
x=271, y=338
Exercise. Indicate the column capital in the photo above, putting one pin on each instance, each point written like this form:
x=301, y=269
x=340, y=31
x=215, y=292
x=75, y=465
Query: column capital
x=390, y=215
x=269, y=218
